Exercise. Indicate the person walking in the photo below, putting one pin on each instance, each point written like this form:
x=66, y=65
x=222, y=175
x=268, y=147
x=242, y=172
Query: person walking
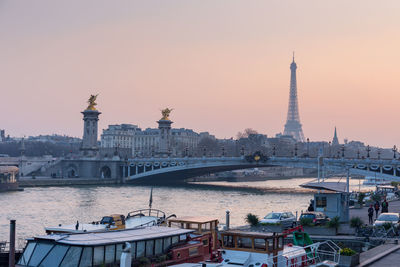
x=370, y=214
x=385, y=206
x=377, y=207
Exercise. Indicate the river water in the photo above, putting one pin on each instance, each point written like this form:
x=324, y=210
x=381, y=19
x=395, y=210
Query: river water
x=35, y=208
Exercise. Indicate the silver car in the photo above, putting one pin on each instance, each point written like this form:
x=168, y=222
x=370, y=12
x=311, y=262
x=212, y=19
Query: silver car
x=392, y=218
x=285, y=218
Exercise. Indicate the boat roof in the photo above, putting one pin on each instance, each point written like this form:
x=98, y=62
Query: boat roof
x=6, y=169
x=193, y=219
x=250, y=234
x=112, y=237
x=330, y=186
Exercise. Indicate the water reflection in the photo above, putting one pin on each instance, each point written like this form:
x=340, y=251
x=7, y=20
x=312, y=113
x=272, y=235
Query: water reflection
x=36, y=208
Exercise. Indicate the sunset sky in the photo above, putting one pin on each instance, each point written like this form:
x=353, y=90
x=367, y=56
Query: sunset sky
x=222, y=65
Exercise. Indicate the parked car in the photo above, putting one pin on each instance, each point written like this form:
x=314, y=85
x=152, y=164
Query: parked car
x=286, y=218
x=317, y=218
x=392, y=218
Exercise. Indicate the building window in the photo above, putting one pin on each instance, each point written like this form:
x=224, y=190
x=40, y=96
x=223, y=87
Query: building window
x=320, y=202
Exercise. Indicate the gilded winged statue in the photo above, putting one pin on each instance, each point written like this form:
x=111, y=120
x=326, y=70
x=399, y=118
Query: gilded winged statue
x=165, y=113
x=92, y=102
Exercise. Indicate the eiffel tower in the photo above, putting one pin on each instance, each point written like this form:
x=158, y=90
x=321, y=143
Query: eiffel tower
x=293, y=125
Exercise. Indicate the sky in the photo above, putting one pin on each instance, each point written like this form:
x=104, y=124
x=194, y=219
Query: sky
x=223, y=66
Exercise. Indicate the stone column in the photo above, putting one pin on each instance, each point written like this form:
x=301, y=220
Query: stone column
x=165, y=136
x=90, y=132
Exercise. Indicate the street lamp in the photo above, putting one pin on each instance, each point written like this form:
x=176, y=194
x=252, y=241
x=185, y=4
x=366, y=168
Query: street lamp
x=308, y=147
x=379, y=153
x=358, y=154
x=295, y=150
x=394, y=151
x=368, y=150
x=274, y=151
x=342, y=151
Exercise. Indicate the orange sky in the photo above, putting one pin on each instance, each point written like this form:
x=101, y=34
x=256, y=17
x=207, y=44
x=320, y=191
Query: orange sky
x=222, y=65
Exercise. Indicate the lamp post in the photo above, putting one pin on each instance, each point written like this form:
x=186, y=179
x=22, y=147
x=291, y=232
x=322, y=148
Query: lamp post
x=358, y=154
x=242, y=151
x=379, y=153
x=295, y=150
x=368, y=150
x=223, y=151
x=329, y=150
x=308, y=147
x=394, y=151
x=342, y=151
x=274, y=151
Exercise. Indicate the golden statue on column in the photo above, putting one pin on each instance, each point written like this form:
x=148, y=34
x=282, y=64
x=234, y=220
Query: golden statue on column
x=165, y=114
x=92, y=102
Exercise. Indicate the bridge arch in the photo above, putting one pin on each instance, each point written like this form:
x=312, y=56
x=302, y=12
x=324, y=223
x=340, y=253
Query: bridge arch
x=72, y=171
x=105, y=172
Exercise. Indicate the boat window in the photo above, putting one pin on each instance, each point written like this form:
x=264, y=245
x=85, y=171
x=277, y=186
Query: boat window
x=27, y=253
x=193, y=251
x=110, y=253
x=98, y=255
x=86, y=259
x=259, y=244
x=41, y=250
x=133, y=249
x=149, y=247
x=280, y=242
x=206, y=226
x=270, y=245
x=72, y=257
x=119, y=252
x=159, y=246
x=107, y=220
x=205, y=242
x=229, y=241
x=55, y=256
x=167, y=243
x=182, y=237
x=140, y=249
x=244, y=242
x=175, y=239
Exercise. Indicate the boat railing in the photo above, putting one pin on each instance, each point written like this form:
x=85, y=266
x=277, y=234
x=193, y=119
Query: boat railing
x=326, y=251
x=19, y=245
x=146, y=212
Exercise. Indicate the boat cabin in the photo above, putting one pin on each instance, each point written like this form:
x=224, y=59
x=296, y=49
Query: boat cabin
x=252, y=241
x=204, y=226
x=111, y=222
x=148, y=244
x=8, y=180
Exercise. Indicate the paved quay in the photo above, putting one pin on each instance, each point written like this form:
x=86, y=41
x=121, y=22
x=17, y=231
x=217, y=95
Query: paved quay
x=47, y=181
x=394, y=206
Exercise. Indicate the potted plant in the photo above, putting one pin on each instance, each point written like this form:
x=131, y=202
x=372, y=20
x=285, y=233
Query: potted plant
x=349, y=257
x=356, y=222
x=252, y=219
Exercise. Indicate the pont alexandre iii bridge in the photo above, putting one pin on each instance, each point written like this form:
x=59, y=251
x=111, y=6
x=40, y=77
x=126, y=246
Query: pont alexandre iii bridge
x=170, y=169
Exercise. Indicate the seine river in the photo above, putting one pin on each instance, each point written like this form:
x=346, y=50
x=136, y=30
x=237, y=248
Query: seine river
x=35, y=208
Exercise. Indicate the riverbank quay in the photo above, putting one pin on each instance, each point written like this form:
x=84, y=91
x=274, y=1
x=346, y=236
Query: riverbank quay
x=362, y=213
x=48, y=181
x=383, y=255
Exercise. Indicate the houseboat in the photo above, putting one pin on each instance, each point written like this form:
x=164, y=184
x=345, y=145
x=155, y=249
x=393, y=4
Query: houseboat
x=155, y=245
x=134, y=219
x=8, y=179
x=255, y=249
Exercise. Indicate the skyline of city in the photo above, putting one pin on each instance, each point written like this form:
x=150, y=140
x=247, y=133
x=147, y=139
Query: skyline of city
x=141, y=57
